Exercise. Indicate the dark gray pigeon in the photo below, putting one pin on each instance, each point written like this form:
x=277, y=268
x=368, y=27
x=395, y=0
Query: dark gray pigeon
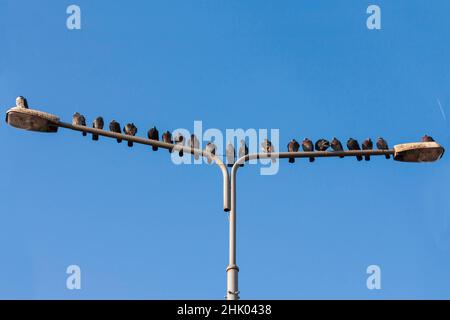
x=114, y=126
x=243, y=151
x=179, y=141
x=131, y=130
x=21, y=102
x=267, y=147
x=210, y=148
x=307, y=146
x=382, y=145
x=353, y=144
x=231, y=155
x=153, y=134
x=194, y=144
x=293, y=146
x=322, y=145
x=98, y=124
x=336, y=145
x=427, y=138
x=79, y=120
x=367, y=145
x=167, y=138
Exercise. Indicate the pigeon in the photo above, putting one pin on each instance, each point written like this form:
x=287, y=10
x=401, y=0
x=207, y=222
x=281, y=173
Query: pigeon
x=98, y=124
x=167, y=138
x=194, y=144
x=322, y=145
x=114, y=126
x=153, y=134
x=293, y=146
x=21, y=102
x=179, y=141
x=307, y=145
x=243, y=151
x=382, y=145
x=79, y=120
x=336, y=145
x=427, y=138
x=367, y=145
x=231, y=155
x=267, y=147
x=211, y=149
x=131, y=130
x=353, y=144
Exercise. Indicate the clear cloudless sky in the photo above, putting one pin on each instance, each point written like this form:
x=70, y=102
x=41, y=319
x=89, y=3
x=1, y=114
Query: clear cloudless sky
x=141, y=227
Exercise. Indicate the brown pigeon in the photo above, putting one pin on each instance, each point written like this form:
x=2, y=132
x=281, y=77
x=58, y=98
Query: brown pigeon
x=210, y=148
x=131, y=130
x=243, y=151
x=231, y=155
x=114, y=126
x=179, y=141
x=79, y=120
x=336, y=145
x=307, y=145
x=382, y=145
x=353, y=144
x=293, y=146
x=21, y=102
x=322, y=145
x=367, y=145
x=98, y=124
x=194, y=144
x=167, y=138
x=267, y=147
x=153, y=134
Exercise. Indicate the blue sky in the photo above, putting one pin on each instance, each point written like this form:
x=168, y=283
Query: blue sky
x=141, y=227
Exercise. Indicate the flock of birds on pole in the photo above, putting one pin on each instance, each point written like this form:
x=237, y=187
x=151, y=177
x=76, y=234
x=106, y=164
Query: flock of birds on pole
x=307, y=145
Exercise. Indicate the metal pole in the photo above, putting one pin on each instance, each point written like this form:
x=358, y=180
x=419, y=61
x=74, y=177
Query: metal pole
x=233, y=269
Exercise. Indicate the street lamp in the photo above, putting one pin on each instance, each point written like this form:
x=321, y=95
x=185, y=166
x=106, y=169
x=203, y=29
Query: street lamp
x=34, y=120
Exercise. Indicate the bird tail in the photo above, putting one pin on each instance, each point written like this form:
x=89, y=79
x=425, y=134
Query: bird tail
x=84, y=134
x=312, y=159
x=95, y=137
x=359, y=158
x=241, y=165
x=229, y=165
x=119, y=140
x=388, y=156
x=154, y=148
x=291, y=160
x=130, y=143
x=180, y=153
x=367, y=158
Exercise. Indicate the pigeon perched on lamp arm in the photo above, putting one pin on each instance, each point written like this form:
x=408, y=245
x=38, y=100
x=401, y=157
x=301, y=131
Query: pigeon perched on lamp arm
x=307, y=146
x=322, y=145
x=194, y=144
x=131, y=130
x=382, y=145
x=293, y=146
x=267, y=147
x=179, y=141
x=114, y=126
x=153, y=134
x=353, y=144
x=97, y=124
x=243, y=151
x=21, y=102
x=336, y=145
x=167, y=138
x=79, y=120
x=231, y=155
x=211, y=149
x=367, y=145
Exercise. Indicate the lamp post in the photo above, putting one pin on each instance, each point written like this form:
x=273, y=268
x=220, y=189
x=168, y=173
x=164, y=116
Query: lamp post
x=34, y=120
